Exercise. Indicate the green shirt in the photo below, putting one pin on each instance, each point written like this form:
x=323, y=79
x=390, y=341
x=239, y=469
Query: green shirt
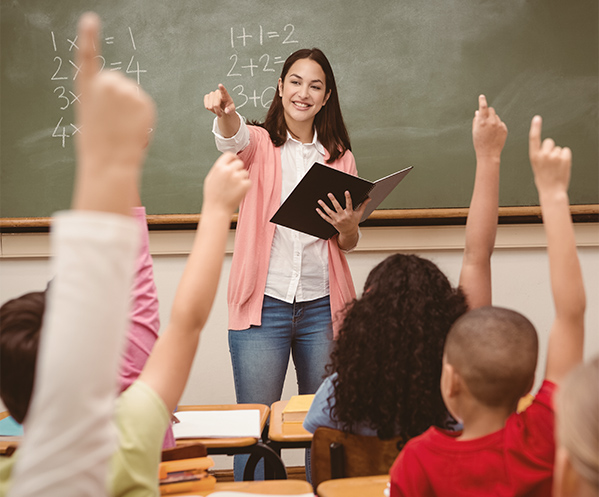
x=141, y=419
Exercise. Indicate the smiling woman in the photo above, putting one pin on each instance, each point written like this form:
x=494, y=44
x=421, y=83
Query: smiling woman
x=303, y=94
x=286, y=288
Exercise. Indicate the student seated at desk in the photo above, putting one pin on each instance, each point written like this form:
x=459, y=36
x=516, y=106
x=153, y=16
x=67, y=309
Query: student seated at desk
x=386, y=364
x=489, y=362
x=69, y=447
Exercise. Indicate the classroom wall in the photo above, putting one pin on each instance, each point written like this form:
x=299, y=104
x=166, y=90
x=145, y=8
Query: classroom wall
x=520, y=281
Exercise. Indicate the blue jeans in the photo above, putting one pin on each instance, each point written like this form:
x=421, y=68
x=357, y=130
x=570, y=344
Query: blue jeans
x=260, y=354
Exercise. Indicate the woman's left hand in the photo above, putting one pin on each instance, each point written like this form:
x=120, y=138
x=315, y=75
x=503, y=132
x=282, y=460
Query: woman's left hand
x=345, y=221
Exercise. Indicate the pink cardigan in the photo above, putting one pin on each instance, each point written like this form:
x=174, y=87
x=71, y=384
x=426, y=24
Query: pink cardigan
x=255, y=233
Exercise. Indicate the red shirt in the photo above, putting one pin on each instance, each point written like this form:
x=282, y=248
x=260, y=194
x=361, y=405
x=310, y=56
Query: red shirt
x=514, y=461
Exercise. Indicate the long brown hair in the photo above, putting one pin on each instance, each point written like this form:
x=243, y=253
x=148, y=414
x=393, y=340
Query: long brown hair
x=328, y=123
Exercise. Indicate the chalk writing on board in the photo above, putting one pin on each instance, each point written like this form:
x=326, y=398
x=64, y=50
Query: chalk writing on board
x=65, y=72
x=244, y=65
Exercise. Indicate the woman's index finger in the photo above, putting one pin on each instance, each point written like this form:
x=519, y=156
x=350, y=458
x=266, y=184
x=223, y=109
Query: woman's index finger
x=223, y=91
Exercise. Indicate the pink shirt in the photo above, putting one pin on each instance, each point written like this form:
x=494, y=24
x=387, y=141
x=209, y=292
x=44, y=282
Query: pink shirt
x=255, y=232
x=144, y=317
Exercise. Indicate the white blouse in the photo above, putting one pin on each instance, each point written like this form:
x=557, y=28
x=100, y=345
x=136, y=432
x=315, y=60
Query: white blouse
x=299, y=263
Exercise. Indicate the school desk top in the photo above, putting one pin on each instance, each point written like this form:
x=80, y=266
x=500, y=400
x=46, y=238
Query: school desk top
x=363, y=486
x=272, y=487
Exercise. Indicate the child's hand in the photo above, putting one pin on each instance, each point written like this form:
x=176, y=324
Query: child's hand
x=488, y=131
x=219, y=102
x=551, y=165
x=115, y=115
x=226, y=183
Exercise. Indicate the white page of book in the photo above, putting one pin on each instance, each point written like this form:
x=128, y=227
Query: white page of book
x=217, y=424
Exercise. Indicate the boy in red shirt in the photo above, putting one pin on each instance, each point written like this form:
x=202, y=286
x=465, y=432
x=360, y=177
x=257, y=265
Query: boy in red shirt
x=489, y=363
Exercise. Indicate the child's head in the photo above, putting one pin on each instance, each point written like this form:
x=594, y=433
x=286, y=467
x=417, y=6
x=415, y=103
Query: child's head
x=389, y=350
x=577, y=458
x=494, y=352
x=20, y=326
x=329, y=123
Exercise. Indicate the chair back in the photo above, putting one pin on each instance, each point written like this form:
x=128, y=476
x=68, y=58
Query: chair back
x=336, y=454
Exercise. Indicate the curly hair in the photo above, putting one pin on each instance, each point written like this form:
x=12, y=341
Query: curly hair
x=389, y=351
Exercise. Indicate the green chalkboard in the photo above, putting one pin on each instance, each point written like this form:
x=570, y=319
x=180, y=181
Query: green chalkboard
x=408, y=71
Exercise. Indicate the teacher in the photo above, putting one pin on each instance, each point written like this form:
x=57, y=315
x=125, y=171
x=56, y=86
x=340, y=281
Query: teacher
x=286, y=288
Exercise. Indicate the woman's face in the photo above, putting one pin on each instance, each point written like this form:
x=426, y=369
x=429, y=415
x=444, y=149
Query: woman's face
x=303, y=92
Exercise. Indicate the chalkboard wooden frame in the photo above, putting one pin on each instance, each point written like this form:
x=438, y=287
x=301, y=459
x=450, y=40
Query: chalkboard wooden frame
x=390, y=217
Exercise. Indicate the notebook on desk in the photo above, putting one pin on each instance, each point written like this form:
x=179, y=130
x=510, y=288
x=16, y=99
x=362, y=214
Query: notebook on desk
x=217, y=424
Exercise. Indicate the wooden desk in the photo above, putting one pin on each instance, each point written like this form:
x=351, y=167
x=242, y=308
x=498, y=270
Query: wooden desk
x=363, y=486
x=286, y=435
x=242, y=445
x=272, y=487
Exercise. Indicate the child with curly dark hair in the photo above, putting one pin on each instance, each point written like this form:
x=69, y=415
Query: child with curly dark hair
x=386, y=364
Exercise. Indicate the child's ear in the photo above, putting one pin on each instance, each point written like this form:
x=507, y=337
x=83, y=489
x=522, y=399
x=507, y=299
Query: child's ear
x=450, y=381
x=280, y=85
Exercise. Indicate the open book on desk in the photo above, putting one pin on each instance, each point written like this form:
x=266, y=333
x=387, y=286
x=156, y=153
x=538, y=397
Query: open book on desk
x=298, y=211
x=217, y=424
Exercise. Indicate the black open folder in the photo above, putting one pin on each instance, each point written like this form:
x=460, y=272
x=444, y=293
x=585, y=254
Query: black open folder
x=298, y=211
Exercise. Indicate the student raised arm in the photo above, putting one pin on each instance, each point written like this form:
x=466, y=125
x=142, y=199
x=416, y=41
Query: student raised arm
x=169, y=364
x=488, y=135
x=551, y=166
x=69, y=437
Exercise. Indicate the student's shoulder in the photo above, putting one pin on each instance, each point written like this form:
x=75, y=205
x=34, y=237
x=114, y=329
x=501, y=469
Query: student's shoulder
x=140, y=401
x=6, y=465
x=541, y=402
x=532, y=430
x=319, y=413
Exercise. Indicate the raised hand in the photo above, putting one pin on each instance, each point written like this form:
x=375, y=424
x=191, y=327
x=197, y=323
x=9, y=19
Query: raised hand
x=114, y=117
x=551, y=164
x=488, y=130
x=226, y=184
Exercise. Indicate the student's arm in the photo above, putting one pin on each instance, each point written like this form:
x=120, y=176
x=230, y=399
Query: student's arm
x=169, y=364
x=551, y=167
x=69, y=437
x=144, y=315
x=488, y=135
x=219, y=102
